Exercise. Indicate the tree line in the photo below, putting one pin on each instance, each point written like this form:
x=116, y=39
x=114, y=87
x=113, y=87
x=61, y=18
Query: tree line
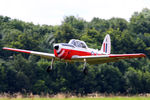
x=27, y=73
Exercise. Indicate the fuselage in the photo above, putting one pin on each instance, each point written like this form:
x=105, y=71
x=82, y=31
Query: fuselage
x=67, y=51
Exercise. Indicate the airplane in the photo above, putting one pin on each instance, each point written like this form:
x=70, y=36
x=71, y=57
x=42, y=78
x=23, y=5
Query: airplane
x=78, y=51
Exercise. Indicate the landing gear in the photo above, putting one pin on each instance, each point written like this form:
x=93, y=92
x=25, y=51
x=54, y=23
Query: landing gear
x=85, y=69
x=49, y=68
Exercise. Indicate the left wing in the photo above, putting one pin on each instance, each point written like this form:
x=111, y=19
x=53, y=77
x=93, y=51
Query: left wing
x=42, y=54
x=99, y=59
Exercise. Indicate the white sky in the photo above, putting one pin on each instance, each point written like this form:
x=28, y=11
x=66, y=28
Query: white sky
x=52, y=12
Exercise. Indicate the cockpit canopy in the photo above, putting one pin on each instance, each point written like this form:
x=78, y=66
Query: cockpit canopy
x=78, y=43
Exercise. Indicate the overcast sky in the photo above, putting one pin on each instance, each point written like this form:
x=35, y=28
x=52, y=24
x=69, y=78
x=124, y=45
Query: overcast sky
x=52, y=12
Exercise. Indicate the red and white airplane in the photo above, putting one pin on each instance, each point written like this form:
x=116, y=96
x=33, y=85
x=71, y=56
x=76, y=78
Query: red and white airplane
x=78, y=51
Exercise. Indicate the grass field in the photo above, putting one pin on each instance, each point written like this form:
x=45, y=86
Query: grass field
x=101, y=98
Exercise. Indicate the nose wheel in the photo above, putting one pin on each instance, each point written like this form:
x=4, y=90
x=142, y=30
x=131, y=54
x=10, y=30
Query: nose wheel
x=49, y=68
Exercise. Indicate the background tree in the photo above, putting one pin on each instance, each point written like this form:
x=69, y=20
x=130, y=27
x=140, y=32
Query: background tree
x=26, y=73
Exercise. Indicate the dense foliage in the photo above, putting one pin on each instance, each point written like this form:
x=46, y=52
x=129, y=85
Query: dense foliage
x=27, y=73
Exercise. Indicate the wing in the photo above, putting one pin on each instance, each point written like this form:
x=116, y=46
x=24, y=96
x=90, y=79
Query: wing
x=99, y=59
x=42, y=54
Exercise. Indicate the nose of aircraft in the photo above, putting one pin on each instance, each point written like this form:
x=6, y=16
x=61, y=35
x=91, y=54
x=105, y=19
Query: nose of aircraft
x=57, y=50
x=56, y=47
x=60, y=51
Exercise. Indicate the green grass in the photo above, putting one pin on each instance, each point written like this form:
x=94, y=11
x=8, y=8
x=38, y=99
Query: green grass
x=102, y=98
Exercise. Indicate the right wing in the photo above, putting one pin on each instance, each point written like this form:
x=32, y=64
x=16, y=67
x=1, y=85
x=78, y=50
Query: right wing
x=99, y=59
x=42, y=54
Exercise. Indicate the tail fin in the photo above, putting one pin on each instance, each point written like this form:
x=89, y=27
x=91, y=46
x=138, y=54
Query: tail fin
x=106, y=46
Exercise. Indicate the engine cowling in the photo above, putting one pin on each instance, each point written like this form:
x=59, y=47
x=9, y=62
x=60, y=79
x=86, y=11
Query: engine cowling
x=61, y=51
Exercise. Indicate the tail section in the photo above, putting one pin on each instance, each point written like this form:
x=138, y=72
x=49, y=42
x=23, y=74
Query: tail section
x=106, y=46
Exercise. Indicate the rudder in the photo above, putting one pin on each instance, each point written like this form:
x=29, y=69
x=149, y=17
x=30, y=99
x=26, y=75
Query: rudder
x=106, y=46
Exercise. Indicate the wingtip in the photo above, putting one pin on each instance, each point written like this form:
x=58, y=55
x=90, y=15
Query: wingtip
x=17, y=50
x=144, y=55
x=4, y=48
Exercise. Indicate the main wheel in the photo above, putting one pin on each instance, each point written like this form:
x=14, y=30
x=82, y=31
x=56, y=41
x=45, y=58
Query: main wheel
x=85, y=71
x=48, y=69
